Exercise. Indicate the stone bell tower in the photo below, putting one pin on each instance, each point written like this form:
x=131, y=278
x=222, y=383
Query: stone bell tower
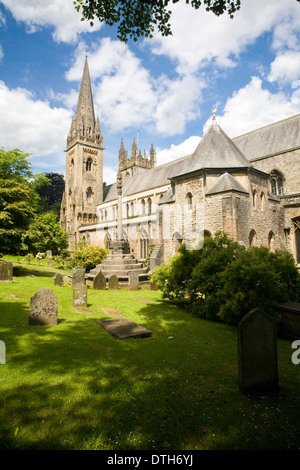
x=84, y=166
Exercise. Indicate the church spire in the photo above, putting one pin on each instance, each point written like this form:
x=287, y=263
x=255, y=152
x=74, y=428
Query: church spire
x=85, y=115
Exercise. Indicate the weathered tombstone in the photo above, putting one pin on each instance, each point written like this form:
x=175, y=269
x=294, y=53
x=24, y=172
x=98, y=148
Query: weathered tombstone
x=49, y=257
x=6, y=271
x=43, y=308
x=79, y=287
x=58, y=280
x=113, y=282
x=153, y=286
x=2, y=353
x=133, y=278
x=99, y=281
x=257, y=352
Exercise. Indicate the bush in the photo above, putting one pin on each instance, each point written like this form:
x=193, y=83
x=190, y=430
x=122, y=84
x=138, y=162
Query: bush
x=89, y=257
x=223, y=280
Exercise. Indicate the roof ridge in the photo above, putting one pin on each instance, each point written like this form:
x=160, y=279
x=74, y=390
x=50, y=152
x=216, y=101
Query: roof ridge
x=267, y=125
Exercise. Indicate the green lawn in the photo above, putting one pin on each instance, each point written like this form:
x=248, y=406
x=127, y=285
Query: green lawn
x=73, y=386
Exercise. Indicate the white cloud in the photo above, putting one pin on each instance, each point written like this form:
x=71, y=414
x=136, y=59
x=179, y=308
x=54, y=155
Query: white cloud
x=200, y=37
x=41, y=131
x=177, y=151
x=125, y=94
x=253, y=106
x=60, y=14
x=285, y=68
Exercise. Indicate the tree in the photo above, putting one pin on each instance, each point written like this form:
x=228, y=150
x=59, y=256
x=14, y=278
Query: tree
x=51, y=193
x=44, y=233
x=19, y=199
x=137, y=18
x=16, y=212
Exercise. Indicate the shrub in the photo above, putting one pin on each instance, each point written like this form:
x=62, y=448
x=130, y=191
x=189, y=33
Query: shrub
x=89, y=257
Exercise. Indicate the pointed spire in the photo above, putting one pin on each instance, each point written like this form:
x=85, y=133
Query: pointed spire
x=85, y=115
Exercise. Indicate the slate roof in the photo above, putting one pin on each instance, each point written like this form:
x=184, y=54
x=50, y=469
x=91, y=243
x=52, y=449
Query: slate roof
x=226, y=182
x=272, y=139
x=148, y=179
x=215, y=150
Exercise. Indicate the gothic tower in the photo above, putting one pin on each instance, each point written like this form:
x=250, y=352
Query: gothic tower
x=84, y=165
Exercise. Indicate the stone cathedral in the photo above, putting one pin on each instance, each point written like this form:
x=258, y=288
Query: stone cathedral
x=247, y=186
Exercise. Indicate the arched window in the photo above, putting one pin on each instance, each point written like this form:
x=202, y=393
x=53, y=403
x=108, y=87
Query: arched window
x=252, y=238
x=254, y=199
x=271, y=241
x=276, y=181
x=262, y=201
x=89, y=194
x=149, y=204
x=132, y=209
x=189, y=200
x=107, y=239
x=144, y=243
x=143, y=206
x=88, y=165
x=114, y=213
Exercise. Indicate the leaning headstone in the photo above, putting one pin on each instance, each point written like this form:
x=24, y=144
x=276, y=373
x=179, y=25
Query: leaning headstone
x=113, y=282
x=133, y=278
x=43, y=308
x=6, y=271
x=79, y=287
x=99, y=281
x=2, y=353
x=58, y=280
x=257, y=353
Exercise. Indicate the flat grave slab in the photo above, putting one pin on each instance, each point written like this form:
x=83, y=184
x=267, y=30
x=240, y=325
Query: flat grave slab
x=122, y=328
x=145, y=300
x=111, y=312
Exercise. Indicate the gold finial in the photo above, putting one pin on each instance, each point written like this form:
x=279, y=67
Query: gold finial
x=213, y=111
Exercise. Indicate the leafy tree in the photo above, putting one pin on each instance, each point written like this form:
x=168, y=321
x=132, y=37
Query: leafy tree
x=16, y=212
x=137, y=18
x=51, y=192
x=45, y=233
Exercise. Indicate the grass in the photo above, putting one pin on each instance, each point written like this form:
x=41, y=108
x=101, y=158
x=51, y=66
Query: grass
x=73, y=386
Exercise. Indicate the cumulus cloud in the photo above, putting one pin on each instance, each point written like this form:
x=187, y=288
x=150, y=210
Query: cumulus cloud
x=253, y=106
x=42, y=131
x=177, y=151
x=126, y=95
x=59, y=14
x=200, y=37
x=285, y=68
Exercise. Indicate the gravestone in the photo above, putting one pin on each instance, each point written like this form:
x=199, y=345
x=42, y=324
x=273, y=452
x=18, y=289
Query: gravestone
x=2, y=353
x=257, y=353
x=113, y=282
x=153, y=286
x=6, y=271
x=58, y=280
x=79, y=287
x=49, y=257
x=133, y=278
x=99, y=281
x=43, y=308
x=121, y=328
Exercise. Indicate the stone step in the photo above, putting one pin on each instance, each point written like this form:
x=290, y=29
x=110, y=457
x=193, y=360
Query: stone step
x=111, y=267
x=113, y=262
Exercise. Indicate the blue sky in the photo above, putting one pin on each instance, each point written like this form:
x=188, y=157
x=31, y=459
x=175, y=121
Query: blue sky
x=159, y=90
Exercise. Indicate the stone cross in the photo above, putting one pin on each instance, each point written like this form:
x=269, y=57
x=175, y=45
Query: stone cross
x=257, y=353
x=6, y=271
x=99, y=281
x=43, y=308
x=79, y=287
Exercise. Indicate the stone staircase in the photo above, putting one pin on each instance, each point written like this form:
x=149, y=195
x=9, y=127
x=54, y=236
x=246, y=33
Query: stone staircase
x=120, y=262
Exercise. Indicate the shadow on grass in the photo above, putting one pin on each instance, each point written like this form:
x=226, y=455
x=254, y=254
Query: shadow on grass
x=79, y=388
